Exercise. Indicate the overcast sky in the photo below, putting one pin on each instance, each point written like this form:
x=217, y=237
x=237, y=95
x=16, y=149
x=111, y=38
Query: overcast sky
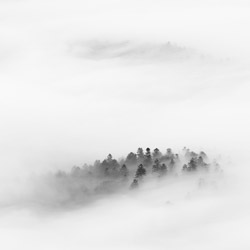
x=61, y=105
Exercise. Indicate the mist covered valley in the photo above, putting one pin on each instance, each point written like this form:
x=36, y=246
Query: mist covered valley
x=80, y=80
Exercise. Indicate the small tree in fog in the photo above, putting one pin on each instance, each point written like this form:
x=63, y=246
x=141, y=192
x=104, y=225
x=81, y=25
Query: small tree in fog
x=192, y=165
x=109, y=157
x=157, y=154
x=171, y=164
x=148, y=158
x=163, y=169
x=131, y=159
x=124, y=171
x=156, y=166
x=134, y=184
x=140, y=172
x=110, y=165
x=185, y=167
x=140, y=155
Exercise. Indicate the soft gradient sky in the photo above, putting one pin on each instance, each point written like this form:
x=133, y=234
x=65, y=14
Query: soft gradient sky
x=60, y=109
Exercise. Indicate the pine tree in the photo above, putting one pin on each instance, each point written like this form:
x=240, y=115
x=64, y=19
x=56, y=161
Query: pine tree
x=134, y=184
x=156, y=166
x=192, y=165
x=110, y=166
x=148, y=158
x=184, y=168
x=131, y=159
x=140, y=155
x=140, y=172
x=200, y=161
x=163, y=169
x=157, y=154
x=109, y=157
x=124, y=171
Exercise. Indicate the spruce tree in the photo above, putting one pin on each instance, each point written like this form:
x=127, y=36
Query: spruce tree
x=124, y=171
x=163, y=169
x=156, y=166
x=134, y=184
x=140, y=155
x=192, y=165
x=184, y=168
x=148, y=158
x=157, y=154
x=140, y=172
x=131, y=159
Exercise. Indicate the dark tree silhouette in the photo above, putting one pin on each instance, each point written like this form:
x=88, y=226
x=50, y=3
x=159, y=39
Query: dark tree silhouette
x=156, y=166
x=157, y=154
x=148, y=158
x=192, y=165
x=134, y=184
x=109, y=157
x=140, y=172
x=163, y=169
x=111, y=175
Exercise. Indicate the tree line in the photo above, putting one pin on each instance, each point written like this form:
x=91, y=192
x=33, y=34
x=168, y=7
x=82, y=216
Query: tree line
x=111, y=174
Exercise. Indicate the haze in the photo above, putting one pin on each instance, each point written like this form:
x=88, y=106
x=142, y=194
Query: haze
x=82, y=79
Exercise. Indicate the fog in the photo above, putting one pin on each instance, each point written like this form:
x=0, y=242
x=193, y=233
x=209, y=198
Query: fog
x=82, y=79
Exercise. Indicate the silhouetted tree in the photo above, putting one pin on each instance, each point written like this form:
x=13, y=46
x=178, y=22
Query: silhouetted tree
x=177, y=158
x=109, y=157
x=163, y=169
x=131, y=159
x=124, y=170
x=156, y=166
x=200, y=161
x=157, y=154
x=148, y=157
x=110, y=165
x=109, y=175
x=184, y=168
x=192, y=165
x=140, y=172
x=134, y=184
x=140, y=155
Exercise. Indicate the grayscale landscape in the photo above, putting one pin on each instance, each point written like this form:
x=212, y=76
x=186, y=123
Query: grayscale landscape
x=124, y=125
